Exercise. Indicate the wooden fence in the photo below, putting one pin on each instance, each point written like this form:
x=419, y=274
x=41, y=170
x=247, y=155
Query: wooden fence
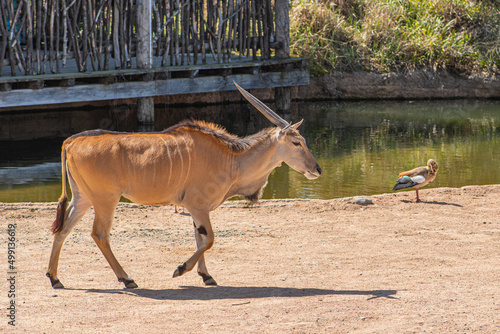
x=40, y=36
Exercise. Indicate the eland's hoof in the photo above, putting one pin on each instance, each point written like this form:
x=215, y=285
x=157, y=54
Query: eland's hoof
x=129, y=283
x=57, y=285
x=207, y=279
x=180, y=270
x=210, y=282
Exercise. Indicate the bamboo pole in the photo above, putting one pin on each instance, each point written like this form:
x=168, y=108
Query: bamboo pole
x=23, y=62
x=44, y=36
x=156, y=28
x=89, y=19
x=194, y=32
x=116, y=34
x=73, y=29
x=176, y=36
x=203, y=32
x=219, y=33
x=169, y=40
x=58, y=37
x=13, y=57
x=129, y=25
x=38, y=17
x=3, y=30
x=240, y=31
x=260, y=30
x=85, y=37
x=107, y=29
x=51, y=36
x=184, y=34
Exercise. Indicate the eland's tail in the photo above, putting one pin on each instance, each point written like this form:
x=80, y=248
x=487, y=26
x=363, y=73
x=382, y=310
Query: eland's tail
x=57, y=225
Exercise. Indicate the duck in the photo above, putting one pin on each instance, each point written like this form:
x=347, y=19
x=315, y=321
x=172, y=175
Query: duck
x=417, y=177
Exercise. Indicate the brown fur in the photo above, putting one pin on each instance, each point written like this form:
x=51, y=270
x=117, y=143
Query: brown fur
x=61, y=212
x=228, y=141
x=231, y=142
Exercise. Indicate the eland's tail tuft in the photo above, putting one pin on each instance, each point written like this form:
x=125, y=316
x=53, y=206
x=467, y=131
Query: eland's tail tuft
x=57, y=225
x=61, y=212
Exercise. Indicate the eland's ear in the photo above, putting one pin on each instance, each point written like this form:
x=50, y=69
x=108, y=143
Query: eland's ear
x=296, y=125
x=289, y=128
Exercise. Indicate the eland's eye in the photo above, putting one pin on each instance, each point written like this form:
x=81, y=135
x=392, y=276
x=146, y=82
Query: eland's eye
x=296, y=143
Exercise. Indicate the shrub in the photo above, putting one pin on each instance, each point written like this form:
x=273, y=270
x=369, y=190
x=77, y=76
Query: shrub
x=461, y=36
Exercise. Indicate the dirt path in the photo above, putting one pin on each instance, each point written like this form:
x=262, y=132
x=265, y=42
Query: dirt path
x=295, y=266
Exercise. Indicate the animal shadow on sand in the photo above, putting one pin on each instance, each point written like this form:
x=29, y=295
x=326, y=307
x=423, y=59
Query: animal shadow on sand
x=229, y=292
x=433, y=202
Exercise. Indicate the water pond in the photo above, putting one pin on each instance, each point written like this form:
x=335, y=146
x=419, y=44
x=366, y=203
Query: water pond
x=361, y=147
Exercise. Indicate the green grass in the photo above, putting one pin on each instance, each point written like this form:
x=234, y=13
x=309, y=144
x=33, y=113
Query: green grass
x=460, y=36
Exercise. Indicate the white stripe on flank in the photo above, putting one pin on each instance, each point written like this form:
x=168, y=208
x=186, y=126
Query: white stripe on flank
x=169, y=158
x=180, y=155
x=189, y=161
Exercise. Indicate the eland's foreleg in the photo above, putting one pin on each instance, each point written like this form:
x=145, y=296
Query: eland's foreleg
x=204, y=240
x=100, y=234
x=75, y=211
x=199, y=232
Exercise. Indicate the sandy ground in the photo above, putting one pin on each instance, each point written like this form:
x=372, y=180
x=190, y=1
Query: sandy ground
x=283, y=266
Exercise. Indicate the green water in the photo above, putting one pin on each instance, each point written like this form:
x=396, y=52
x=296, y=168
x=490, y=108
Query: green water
x=361, y=147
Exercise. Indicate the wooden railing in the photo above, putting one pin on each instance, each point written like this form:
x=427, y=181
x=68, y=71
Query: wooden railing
x=41, y=36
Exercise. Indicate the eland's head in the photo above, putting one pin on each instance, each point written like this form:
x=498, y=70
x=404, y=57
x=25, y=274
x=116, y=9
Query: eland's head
x=292, y=147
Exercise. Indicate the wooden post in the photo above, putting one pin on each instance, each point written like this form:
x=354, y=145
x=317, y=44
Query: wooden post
x=145, y=105
x=282, y=95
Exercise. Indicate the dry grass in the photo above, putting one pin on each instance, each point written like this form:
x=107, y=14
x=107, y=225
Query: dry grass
x=460, y=36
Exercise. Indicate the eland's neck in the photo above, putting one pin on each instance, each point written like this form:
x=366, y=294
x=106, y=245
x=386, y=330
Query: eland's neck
x=261, y=158
x=254, y=165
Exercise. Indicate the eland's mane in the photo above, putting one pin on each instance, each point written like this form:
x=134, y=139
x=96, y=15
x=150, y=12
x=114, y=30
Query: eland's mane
x=225, y=139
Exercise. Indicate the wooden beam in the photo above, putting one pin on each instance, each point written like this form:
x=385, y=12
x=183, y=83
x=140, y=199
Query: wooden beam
x=212, y=68
x=139, y=89
x=282, y=95
x=145, y=105
x=281, y=8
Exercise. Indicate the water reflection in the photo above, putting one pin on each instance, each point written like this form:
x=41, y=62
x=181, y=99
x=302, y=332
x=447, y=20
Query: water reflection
x=361, y=146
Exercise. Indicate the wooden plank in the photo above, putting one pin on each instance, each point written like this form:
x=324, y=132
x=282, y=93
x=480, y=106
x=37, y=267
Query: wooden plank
x=125, y=72
x=138, y=89
x=35, y=84
x=5, y=87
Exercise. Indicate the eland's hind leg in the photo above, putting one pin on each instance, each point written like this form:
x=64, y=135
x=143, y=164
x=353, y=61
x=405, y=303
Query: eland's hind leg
x=205, y=242
x=75, y=211
x=100, y=234
x=202, y=268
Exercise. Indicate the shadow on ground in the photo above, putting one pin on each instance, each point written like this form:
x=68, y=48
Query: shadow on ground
x=228, y=292
x=433, y=202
